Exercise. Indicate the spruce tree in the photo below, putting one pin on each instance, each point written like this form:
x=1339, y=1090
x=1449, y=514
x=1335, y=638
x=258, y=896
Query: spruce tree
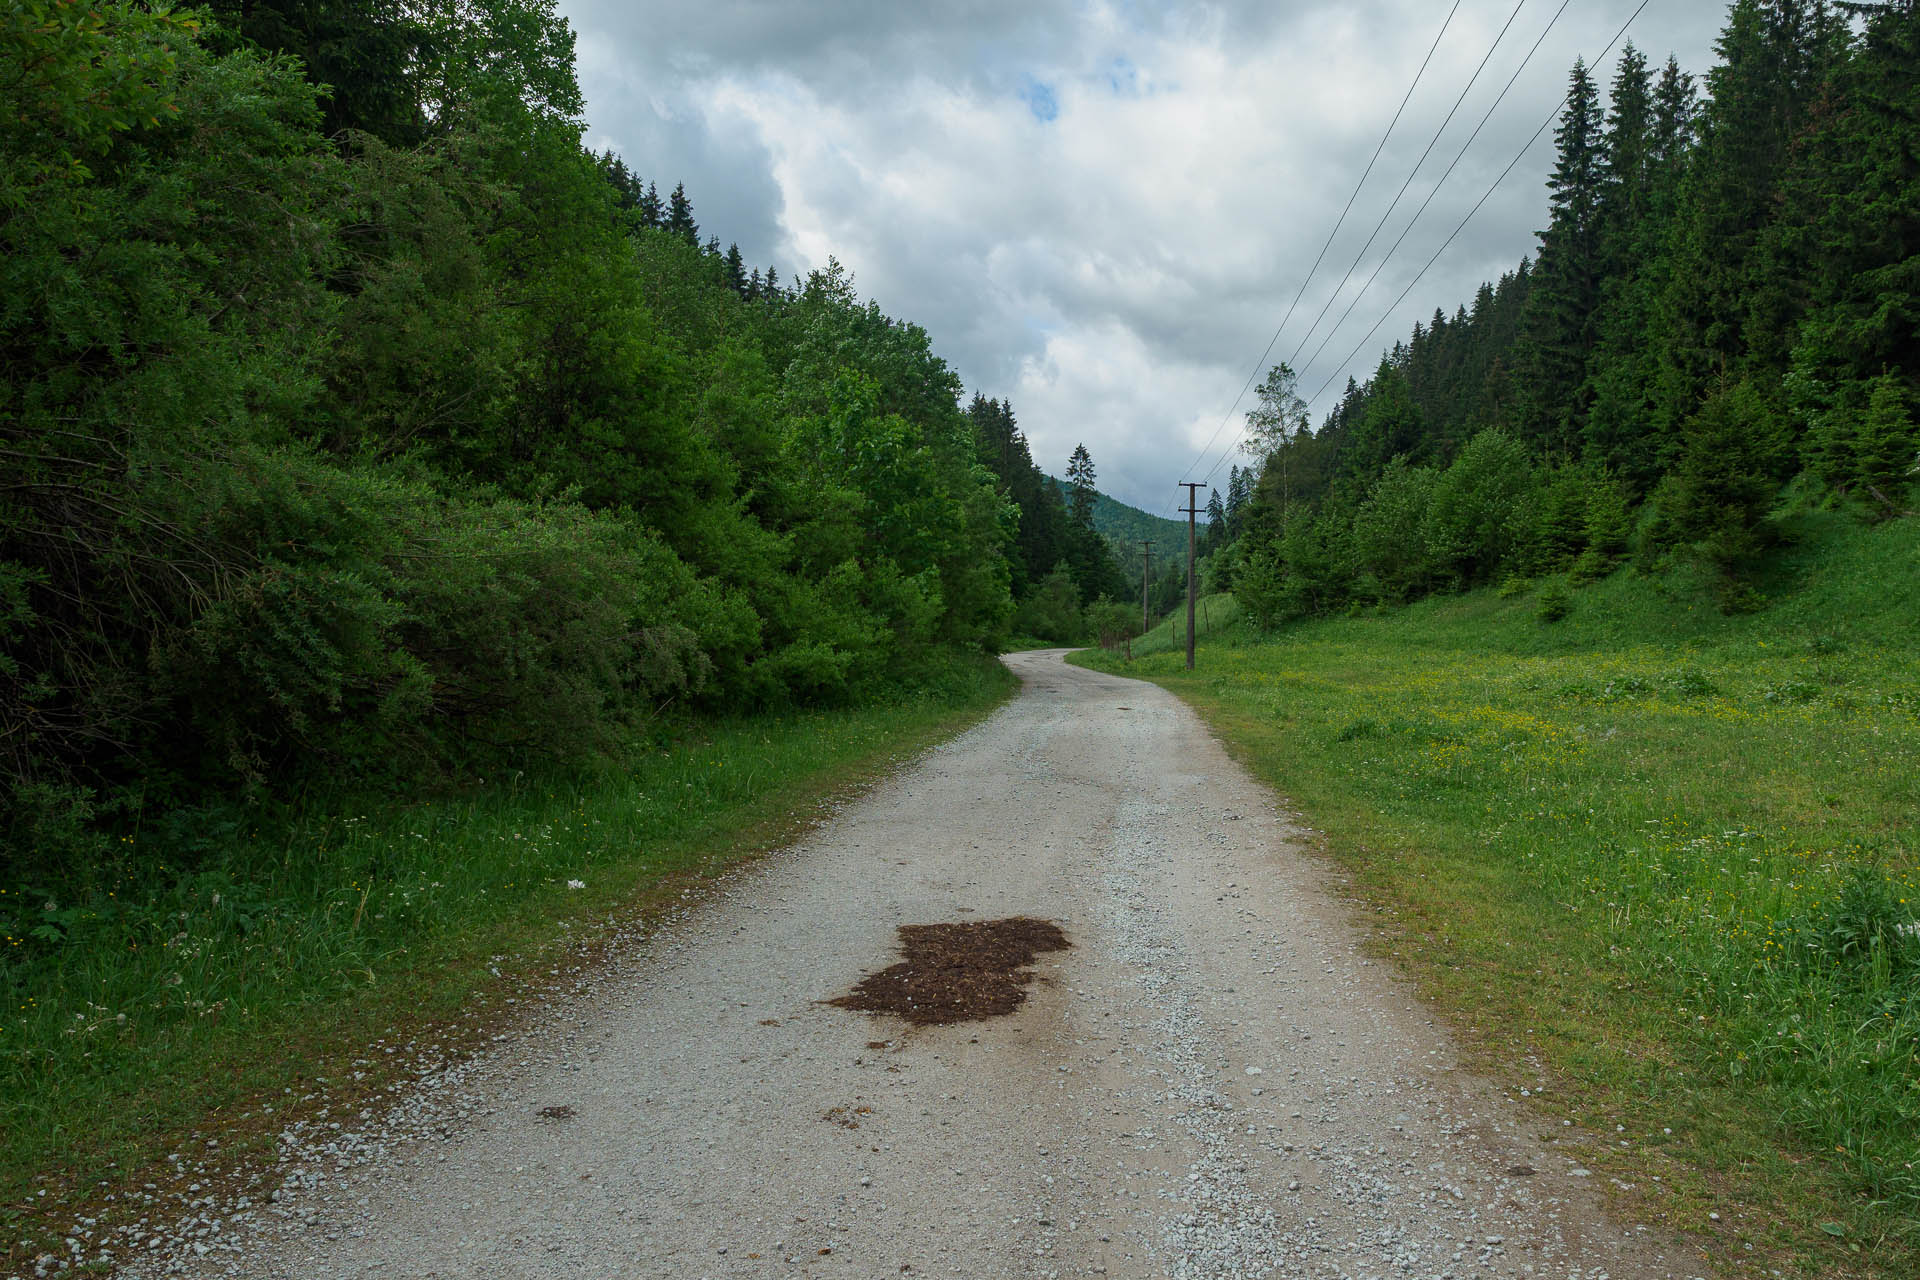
x=1883, y=446
x=1724, y=314
x=1558, y=325
x=680, y=216
x=1080, y=490
x=1648, y=132
x=1627, y=191
x=1848, y=231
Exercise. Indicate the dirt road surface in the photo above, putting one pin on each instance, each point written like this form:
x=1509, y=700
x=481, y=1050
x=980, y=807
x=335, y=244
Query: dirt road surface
x=1212, y=1081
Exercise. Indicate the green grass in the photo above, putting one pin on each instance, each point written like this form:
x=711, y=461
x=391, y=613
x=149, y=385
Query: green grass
x=179, y=1005
x=1660, y=861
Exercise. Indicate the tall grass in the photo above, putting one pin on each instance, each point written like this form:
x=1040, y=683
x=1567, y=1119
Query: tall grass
x=1681, y=850
x=157, y=1003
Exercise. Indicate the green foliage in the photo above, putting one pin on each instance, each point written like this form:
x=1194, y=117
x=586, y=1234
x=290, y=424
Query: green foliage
x=1556, y=602
x=1477, y=513
x=1609, y=528
x=1111, y=624
x=1053, y=611
x=1389, y=532
x=1883, y=447
x=409, y=453
x=1722, y=489
x=1722, y=290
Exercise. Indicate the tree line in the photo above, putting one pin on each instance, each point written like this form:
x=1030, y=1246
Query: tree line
x=360, y=429
x=1720, y=322
x=1065, y=573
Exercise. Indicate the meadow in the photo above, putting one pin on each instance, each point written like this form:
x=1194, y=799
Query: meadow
x=1661, y=865
x=189, y=1003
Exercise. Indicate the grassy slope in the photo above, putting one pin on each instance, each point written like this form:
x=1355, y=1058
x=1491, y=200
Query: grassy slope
x=1613, y=847
x=183, y=1015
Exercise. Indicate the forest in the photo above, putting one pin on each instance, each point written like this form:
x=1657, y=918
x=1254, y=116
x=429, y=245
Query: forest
x=1719, y=325
x=362, y=430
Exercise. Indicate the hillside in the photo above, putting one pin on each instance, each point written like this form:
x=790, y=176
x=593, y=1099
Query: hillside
x=1127, y=525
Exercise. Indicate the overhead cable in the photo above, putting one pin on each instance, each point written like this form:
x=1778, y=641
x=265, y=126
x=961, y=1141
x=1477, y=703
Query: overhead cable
x=1341, y=221
x=1554, y=115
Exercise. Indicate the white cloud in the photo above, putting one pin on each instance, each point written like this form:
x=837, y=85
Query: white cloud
x=1099, y=210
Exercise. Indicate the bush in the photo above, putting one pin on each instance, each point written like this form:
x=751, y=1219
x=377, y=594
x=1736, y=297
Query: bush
x=1052, y=612
x=1718, y=496
x=1388, y=531
x=1556, y=602
x=1478, y=509
x=1112, y=623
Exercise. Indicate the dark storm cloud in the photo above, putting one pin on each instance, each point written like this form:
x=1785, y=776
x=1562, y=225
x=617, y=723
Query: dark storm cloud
x=1102, y=210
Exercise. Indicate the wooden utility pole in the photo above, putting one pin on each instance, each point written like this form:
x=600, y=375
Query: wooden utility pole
x=1146, y=576
x=1193, y=496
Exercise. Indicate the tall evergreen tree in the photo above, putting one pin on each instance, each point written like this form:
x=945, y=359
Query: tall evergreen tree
x=1558, y=326
x=1627, y=195
x=1848, y=229
x=680, y=216
x=1080, y=487
x=652, y=211
x=1774, y=57
x=1648, y=133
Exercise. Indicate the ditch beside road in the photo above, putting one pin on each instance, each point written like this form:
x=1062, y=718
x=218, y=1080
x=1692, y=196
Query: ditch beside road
x=1210, y=1079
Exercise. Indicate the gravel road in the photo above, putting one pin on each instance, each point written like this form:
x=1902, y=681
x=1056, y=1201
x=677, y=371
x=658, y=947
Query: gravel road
x=1214, y=1081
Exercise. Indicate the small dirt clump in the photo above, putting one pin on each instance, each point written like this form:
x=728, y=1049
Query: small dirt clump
x=962, y=972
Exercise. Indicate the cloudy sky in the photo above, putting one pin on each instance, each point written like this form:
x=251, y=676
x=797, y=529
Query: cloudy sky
x=1102, y=209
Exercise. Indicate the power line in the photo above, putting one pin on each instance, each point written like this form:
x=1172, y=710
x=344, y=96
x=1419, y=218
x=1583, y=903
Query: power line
x=1338, y=223
x=1413, y=173
x=1476, y=207
x=1381, y=265
x=1342, y=367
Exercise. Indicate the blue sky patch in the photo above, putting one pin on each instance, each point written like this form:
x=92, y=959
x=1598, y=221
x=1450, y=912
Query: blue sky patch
x=1038, y=95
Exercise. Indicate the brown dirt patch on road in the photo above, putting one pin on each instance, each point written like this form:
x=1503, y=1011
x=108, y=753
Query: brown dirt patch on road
x=962, y=972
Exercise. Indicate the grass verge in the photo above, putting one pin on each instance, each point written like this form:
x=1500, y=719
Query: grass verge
x=200, y=1013
x=1661, y=866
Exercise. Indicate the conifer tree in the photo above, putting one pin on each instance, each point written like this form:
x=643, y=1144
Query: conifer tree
x=1080, y=490
x=680, y=216
x=1239, y=490
x=1774, y=57
x=1558, y=325
x=1848, y=233
x=1883, y=453
x=652, y=211
x=1627, y=193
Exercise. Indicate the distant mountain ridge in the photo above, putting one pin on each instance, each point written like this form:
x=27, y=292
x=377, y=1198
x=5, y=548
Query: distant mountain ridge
x=1127, y=525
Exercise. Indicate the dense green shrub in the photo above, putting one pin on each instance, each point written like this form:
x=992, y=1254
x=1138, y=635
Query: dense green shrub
x=1477, y=515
